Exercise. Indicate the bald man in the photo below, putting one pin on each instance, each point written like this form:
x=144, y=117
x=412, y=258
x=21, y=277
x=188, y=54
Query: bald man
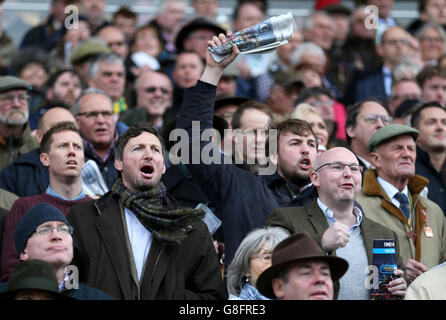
x=26, y=176
x=338, y=225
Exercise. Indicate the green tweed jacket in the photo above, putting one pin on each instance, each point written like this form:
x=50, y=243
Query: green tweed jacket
x=311, y=219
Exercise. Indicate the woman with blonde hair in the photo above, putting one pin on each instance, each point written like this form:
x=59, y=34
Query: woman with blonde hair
x=305, y=111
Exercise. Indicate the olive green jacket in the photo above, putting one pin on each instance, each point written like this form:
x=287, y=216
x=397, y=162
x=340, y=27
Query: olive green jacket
x=8, y=153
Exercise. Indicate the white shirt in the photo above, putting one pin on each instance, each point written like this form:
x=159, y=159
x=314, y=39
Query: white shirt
x=391, y=190
x=140, y=239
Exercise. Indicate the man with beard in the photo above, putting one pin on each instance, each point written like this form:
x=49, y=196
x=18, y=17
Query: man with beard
x=15, y=134
x=338, y=224
x=430, y=121
x=244, y=199
x=135, y=242
x=63, y=86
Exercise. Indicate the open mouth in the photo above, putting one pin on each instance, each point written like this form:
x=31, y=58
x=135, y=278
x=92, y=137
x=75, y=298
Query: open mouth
x=71, y=163
x=305, y=164
x=147, y=169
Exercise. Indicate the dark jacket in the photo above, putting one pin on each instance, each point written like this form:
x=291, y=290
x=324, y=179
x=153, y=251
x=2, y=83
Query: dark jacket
x=242, y=198
x=43, y=36
x=436, y=186
x=26, y=176
x=311, y=219
x=366, y=85
x=186, y=271
x=82, y=293
x=107, y=168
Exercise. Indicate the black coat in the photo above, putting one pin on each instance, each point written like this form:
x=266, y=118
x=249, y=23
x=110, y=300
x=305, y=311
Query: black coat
x=242, y=198
x=26, y=176
x=186, y=271
x=436, y=186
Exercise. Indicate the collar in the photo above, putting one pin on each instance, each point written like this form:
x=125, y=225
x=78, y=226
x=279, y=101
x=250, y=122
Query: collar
x=365, y=162
x=390, y=189
x=276, y=179
x=62, y=283
x=329, y=214
x=53, y=193
x=386, y=72
x=371, y=186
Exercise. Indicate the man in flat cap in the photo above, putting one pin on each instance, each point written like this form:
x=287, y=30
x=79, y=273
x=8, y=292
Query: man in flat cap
x=391, y=196
x=301, y=271
x=15, y=134
x=284, y=93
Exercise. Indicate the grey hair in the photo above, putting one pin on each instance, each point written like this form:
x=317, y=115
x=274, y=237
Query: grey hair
x=308, y=23
x=107, y=58
x=406, y=69
x=251, y=244
x=430, y=25
x=77, y=106
x=307, y=48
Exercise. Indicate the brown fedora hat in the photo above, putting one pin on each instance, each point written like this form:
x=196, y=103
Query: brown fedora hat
x=299, y=246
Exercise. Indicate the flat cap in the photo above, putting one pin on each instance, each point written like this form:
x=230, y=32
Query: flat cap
x=11, y=82
x=88, y=48
x=388, y=132
x=288, y=78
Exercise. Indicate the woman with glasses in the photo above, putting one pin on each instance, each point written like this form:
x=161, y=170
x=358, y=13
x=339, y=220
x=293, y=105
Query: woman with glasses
x=251, y=258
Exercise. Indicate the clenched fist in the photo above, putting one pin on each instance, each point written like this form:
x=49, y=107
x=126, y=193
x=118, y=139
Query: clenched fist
x=336, y=236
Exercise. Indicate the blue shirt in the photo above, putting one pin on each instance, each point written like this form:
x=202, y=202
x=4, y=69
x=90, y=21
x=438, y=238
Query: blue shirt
x=391, y=191
x=53, y=193
x=329, y=214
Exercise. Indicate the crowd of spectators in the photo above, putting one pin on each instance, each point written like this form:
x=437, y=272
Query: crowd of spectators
x=89, y=157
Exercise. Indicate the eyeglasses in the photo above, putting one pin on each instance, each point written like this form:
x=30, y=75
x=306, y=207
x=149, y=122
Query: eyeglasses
x=116, y=43
x=432, y=39
x=9, y=98
x=265, y=257
x=405, y=97
x=393, y=42
x=339, y=167
x=320, y=103
x=95, y=114
x=62, y=230
x=373, y=119
x=153, y=89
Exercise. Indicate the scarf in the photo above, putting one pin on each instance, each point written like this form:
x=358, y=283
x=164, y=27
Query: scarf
x=164, y=224
x=249, y=292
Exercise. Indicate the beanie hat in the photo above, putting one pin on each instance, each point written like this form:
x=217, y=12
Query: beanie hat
x=33, y=218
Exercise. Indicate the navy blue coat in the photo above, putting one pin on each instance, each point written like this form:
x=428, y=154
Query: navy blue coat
x=366, y=85
x=26, y=176
x=242, y=198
